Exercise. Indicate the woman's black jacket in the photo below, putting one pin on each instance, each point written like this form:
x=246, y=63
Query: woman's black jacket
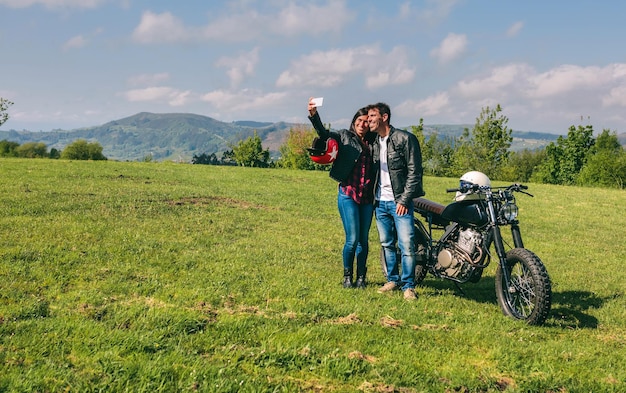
x=350, y=148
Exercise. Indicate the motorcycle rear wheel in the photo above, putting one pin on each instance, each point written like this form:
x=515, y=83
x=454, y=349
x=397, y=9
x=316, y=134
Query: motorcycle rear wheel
x=528, y=294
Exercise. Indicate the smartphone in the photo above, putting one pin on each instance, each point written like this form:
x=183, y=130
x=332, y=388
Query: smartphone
x=318, y=101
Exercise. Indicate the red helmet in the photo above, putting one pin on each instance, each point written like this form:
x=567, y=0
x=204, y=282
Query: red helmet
x=324, y=151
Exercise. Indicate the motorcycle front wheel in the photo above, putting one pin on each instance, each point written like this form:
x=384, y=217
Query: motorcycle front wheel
x=528, y=293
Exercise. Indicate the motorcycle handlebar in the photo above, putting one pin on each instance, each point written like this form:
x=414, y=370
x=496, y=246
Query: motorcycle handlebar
x=474, y=187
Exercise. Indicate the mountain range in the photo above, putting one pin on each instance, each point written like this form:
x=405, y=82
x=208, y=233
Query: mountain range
x=180, y=136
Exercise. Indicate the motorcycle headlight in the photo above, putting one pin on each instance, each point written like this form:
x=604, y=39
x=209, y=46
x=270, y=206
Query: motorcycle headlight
x=509, y=211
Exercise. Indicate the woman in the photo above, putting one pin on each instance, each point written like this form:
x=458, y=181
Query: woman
x=353, y=169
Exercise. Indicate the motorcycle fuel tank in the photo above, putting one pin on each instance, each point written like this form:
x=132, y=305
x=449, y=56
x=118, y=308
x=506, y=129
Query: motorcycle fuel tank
x=465, y=213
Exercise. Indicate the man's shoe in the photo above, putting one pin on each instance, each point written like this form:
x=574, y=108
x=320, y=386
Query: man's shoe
x=389, y=286
x=360, y=282
x=409, y=295
x=347, y=282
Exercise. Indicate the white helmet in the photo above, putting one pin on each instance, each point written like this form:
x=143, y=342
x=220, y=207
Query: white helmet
x=472, y=177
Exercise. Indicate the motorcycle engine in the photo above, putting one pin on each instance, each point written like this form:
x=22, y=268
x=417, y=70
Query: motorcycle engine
x=459, y=255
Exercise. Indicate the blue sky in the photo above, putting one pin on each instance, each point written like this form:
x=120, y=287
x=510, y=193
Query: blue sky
x=550, y=64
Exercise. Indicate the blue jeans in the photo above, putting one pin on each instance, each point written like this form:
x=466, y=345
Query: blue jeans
x=356, y=219
x=394, y=229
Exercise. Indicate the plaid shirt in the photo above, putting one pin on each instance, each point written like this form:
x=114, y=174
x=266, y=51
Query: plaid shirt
x=359, y=185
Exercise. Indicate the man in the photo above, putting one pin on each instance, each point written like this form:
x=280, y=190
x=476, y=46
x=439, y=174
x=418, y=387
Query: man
x=398, y=157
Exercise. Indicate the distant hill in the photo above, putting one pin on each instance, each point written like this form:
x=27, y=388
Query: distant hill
x=180, y=136
x=166, y=136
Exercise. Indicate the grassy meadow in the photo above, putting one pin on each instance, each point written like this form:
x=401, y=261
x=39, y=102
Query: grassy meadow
x=162, y=277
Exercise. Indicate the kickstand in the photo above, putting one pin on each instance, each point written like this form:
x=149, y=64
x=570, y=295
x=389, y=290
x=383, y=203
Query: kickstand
x=456, y=284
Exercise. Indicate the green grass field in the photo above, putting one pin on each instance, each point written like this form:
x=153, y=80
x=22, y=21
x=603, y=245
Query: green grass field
x=159, y=277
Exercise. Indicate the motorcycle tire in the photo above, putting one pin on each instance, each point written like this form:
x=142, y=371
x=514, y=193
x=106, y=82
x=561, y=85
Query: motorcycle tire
x=528, y=295
x=420, y=269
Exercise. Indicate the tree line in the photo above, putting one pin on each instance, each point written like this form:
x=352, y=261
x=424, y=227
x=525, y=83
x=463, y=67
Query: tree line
x=578, y=158
x=77, y=150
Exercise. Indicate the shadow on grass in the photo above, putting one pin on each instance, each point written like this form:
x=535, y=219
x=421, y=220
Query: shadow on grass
x=569, y=308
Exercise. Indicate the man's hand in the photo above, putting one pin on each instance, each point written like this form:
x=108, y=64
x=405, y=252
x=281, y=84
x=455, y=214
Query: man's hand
x=401, y=210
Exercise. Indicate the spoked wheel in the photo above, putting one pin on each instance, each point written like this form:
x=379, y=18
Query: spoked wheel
x=528, y=293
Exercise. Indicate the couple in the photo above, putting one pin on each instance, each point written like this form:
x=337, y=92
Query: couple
x=379, y=169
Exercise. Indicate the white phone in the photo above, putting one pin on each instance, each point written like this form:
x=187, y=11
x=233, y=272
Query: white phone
x=318, y=101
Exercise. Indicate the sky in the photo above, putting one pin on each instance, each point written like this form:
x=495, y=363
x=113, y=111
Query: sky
x=550, y=65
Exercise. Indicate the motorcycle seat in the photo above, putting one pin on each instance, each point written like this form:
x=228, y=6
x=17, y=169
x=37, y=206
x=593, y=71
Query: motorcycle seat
x=426, y=205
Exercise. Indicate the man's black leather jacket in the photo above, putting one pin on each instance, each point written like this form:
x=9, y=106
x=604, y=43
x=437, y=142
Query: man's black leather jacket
x=404, y=158
x=350, y=148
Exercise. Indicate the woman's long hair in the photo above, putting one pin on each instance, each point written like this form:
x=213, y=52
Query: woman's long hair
x=359, y=113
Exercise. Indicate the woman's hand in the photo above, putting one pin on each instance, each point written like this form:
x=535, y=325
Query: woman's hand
x=312, y=107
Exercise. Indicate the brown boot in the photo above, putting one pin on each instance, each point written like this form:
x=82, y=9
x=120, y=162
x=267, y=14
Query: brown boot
x=388, y=287
x=409, y=295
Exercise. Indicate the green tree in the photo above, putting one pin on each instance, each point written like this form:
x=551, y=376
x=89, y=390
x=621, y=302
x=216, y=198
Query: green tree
x=566, y=157
x=83, y=150
x=228, y=158
x=250, y=153
x=487, y=148
x=418, y=131
x=32, y=150
x=7, y=148
x=606, y=164
x=205, y=159
x=4, y=106
x=522, y=164
x=293, y=153
x=438, y=155
x=607, y=140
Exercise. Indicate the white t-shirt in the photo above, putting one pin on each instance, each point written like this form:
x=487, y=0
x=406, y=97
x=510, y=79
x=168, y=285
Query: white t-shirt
x=384, y=192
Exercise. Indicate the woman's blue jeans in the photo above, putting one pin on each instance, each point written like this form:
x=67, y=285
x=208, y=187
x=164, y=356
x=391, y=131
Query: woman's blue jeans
x=393, y=228
x=357, y=220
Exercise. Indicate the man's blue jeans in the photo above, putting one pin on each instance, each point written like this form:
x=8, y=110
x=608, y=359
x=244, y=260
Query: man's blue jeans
x=357, y=220
x=394, y=229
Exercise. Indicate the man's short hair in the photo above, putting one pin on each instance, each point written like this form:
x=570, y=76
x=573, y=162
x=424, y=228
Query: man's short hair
x=382, y=109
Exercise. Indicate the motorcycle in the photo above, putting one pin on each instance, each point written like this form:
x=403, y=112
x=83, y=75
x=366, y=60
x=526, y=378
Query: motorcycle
x=470, y=226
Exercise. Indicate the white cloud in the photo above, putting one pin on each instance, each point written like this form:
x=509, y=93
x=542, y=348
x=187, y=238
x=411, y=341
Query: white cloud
x=53, y=3
x=451, y=48
x=148, y=79
x=331, y=68
x=433, y=105
x=499, y=81
x=240, y=67
x=615, y=97
x=405, y=10
x=155, y=28
x=436, y=10
x=515, y=29
x=292, y=20
x=173, y=97
x=567, y=78
x=75, y=42
x=311, y=19
x=537, y=99
x=244, y=100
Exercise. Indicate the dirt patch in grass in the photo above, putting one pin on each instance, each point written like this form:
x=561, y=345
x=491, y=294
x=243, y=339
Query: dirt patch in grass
x=347, y=320
x=387, y=321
